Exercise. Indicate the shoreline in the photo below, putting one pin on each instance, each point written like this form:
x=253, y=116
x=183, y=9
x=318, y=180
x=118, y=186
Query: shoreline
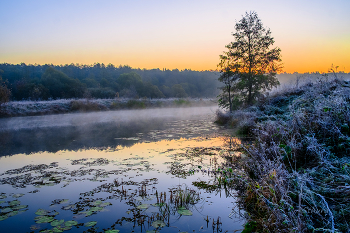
x=293, y=175
x=39, y=108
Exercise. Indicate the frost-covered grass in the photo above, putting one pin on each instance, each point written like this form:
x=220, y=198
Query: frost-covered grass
x=29, y=108
x=296, y=172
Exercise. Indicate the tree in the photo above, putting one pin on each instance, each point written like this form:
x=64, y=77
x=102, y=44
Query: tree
x=249, y=67
x=60, y=85
x=178, y=91
x=5, y=93
x=226, y=97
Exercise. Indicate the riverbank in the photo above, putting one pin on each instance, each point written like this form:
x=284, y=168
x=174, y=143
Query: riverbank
x=295, y=171
x=35, y=108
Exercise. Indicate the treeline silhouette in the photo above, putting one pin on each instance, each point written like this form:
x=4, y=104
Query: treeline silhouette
x=43, y=82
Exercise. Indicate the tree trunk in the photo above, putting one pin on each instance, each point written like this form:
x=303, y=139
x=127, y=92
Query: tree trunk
x=229, y=97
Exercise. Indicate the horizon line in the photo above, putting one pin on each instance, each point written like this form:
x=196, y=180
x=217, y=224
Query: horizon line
x=162, y=69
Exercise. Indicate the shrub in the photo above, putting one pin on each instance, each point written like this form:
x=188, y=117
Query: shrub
x=181, y=102
x=222, y=118
x=85, y=106
x=296, y=171
x=135, y=104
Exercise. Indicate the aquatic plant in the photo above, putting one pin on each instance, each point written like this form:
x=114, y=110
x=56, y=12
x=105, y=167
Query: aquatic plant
x=184, y=197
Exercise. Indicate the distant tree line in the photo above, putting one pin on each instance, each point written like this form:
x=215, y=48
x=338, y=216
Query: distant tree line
x=43, y=82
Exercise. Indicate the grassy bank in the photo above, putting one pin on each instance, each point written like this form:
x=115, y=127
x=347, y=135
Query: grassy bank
x=295, y=169
x=32, y=108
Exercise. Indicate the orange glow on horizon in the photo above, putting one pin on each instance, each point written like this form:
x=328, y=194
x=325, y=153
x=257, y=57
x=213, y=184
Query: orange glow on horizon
x=296, y=57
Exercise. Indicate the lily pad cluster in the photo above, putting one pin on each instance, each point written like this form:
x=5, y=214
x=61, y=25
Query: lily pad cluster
x=94, y=162
x=11, y=208
x=45, y=216
x=94, y=207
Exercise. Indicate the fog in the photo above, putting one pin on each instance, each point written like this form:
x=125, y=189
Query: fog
x=102, y=129
x=85, y=119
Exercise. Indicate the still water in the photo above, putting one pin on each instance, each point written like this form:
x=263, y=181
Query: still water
x=151, y=170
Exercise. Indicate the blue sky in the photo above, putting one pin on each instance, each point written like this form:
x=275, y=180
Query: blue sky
x=170, y=34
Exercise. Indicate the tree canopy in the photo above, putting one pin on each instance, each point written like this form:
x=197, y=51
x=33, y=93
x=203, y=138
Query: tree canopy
x=41, y=82
x=4, y=91
x=249, y=67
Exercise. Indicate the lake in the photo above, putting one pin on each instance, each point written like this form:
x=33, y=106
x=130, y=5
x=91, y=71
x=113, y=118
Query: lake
x=151, y=170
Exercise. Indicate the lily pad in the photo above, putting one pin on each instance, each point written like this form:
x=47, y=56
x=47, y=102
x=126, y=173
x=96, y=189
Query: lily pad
x=90, y=224
x=64, y=201
x=184, y=211
x=86, y=213
x=68, y=207
x=70, y=223
x=12, y=203
x=158, y=223
x=56, y=223
x=96, y=208
x=19, y=207
x=2, y=202
x=41, y=212
x=61, y=229
x=17, y=195
x=2, y=196
x=3, y=217
x=143, y=206
x=6, y=210
x=96, y=203
x=13, y=213
x=57, y=229
x=105, y=204
x=43, y=219
x=112, y=231
x=46, y=231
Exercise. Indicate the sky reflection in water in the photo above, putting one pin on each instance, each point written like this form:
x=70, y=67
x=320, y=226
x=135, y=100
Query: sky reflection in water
x=127, y=187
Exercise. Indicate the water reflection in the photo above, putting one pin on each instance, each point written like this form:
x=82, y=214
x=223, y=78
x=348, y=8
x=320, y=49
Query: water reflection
x=151, y=175
x=103, y=129
x=166, y=186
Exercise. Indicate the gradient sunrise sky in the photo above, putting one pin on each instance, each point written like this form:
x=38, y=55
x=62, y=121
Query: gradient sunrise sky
x=313, y=34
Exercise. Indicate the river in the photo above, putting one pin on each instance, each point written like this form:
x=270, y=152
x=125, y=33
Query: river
x=151, y=170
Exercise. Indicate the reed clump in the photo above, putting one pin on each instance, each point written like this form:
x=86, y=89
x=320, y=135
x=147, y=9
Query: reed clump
x=296, y=170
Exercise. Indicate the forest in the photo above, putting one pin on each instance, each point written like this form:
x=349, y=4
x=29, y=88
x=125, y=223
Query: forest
x=47, y=82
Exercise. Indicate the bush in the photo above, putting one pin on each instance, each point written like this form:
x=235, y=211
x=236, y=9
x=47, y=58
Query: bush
x=181, y=102
x=222, y=118
x=85, y=106
x=135, y=104
x=296, y=171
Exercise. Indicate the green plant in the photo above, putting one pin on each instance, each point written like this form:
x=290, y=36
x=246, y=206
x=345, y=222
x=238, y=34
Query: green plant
x=181, y=102
x=249, y=67
x=135, y=104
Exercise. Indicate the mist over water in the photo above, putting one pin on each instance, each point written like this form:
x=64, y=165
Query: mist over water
x=124, y=170
x=86, y=119
x=102, y=129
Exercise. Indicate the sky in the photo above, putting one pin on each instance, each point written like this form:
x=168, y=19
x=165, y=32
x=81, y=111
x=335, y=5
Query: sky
x=172, y=34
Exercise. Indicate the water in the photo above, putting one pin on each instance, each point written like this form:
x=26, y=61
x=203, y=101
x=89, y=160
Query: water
x=132, y=171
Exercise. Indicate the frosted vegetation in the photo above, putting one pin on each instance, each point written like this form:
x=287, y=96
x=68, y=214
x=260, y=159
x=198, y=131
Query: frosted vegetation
x=295, y=168
x=31, y=108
